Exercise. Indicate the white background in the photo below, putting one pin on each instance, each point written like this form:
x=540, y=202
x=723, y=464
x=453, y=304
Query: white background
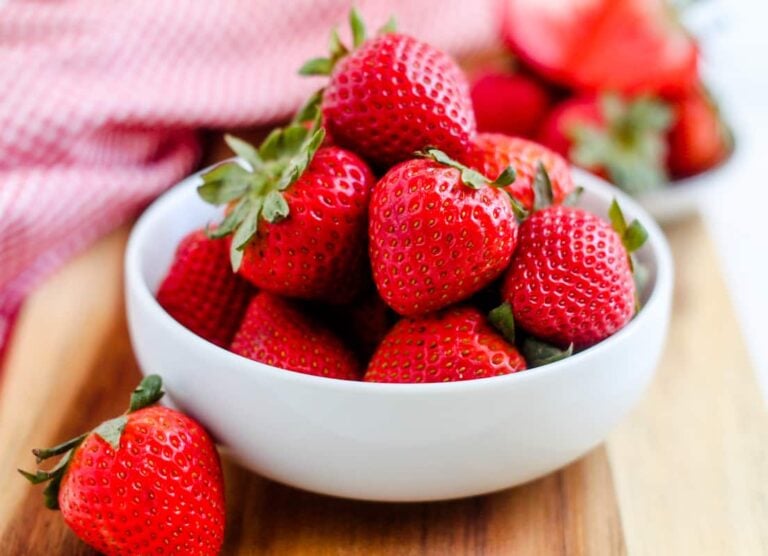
x=735, y=44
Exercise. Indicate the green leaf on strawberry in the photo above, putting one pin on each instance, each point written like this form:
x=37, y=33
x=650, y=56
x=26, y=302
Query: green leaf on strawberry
x=538, y=353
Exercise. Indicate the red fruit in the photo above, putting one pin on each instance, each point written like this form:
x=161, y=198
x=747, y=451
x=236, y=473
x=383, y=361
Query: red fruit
x=621, y=140
x=147, y=482
x=555, y=130
x=699, y=139
x=492, y=152
x=434, y=240
x=455, y=344
x=318, y=251
x=298, y=226
x=363, y=323
x=628, y=46
x=394, y=95
x=570, y=281
x=513, y=104
x=276, y=332
x=201, y=291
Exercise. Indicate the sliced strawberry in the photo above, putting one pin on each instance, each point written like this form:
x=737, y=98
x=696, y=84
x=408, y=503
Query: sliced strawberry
x=628, y=46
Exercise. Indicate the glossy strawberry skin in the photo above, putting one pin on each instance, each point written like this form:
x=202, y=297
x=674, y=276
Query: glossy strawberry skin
x=275, y=331
x=491, y=153
x=513, y=104
x=698, y=140
x=318, y=251
x=396, y=95
x=570, y=280
x=454, y=344
x=201, y=291
x=433, y=240
x=627, y=46
x=162, y=492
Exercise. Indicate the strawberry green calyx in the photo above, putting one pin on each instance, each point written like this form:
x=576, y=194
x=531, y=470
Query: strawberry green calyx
x=148, y=392
x=634, y=235
x=631, y=145
x=475, y=180
x=502, y=319
x=253, y=186
x=337, y=49
x=538, y=353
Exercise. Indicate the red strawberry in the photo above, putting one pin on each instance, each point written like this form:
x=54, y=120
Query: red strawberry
x=570, y=281
x=492, y=152
x=437, y=234
x=454, y=344
x=363, y=323
x=514, y=104
x=621, y=140
x=147, y=482
x=276, y=332
x=699, y=139
x=629, y=46
x=201, y=291
x=299, y=216
x=393, y=95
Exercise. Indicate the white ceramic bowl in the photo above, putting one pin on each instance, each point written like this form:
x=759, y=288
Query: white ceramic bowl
x=682, y=198
x=393, y=442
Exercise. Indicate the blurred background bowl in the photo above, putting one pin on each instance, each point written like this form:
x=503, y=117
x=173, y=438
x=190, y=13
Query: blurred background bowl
x=393, y=442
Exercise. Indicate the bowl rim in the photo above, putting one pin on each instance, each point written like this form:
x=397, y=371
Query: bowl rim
x=136, y=284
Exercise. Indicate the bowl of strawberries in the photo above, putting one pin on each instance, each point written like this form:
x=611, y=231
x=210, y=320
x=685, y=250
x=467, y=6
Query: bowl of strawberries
x=379, y=303
x=615, y=87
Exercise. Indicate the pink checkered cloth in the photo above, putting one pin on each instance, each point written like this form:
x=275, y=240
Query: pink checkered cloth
x=100, y=102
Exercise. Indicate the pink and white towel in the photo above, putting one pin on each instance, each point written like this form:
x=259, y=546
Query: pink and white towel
x=101, y=101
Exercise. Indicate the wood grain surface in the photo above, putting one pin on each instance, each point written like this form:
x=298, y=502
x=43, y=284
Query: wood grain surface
x=686, y=473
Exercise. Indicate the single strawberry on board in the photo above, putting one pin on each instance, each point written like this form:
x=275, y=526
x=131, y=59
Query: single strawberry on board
x=275, y=331
x=297, y=214
x=622, y=140
x=628, y=46
x=509, y=103
x=393, y=95
x=146, y=482
x=491, y=153
x=438, y=233
x=457, y=343
x=571, y=280
x=201, y=291
x=699, y=139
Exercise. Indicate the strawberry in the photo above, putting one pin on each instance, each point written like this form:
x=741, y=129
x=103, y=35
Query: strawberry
x=297, y=214
x=362, y=323
x=393, y=95
x=628, y=46
x=201, y=291
x=571, y=280
x=492, y=152
x=437, y=233
x=454, y=344
x=621, y=140
x=147, y=482
x=699, y=139
x=275, y=331
x=510, y=103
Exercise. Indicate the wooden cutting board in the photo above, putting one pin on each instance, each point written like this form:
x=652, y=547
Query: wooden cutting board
x=686, y=473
